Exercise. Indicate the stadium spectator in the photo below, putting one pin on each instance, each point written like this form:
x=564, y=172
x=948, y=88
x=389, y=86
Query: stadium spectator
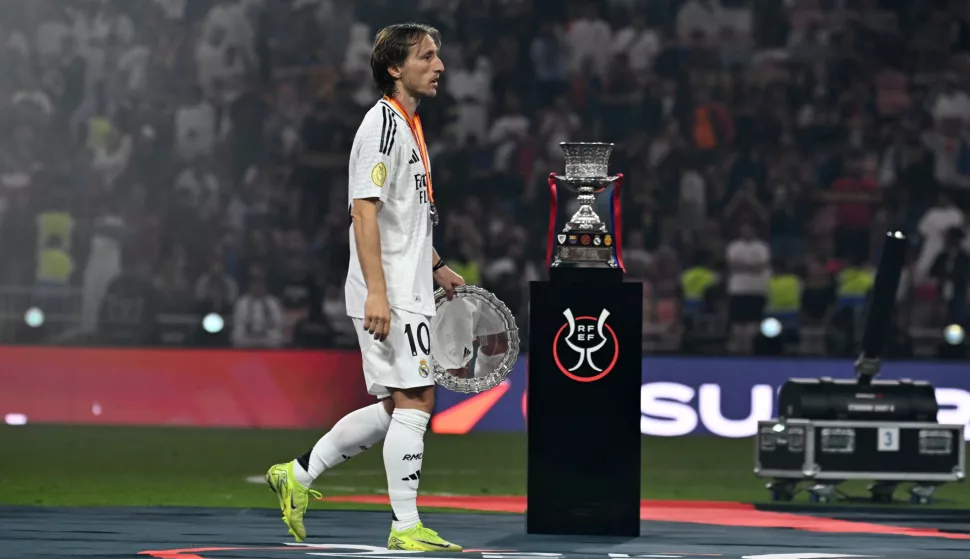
x=951, y=270
x=748, y=259
x=195, y=126
x=854, y=195
x=258, y=315
x=131, y=306
x=934, y=227
x=818, y=293
x=225, y=285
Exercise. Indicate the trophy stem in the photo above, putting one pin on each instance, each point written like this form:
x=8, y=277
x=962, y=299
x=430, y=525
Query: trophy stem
x=586, y=218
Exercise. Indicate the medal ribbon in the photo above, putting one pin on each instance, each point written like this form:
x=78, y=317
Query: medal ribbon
x=552, y=218
x=418, y=132
x=616, y=215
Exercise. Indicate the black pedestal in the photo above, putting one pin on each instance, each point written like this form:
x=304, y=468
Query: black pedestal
x=584, y=405
x=585, y=275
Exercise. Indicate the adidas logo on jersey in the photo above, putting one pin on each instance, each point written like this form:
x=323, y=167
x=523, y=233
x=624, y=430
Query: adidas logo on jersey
x=414, y=157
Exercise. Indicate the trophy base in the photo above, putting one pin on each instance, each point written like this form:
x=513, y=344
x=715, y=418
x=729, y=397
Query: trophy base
x=587, y=246
x=584, y=255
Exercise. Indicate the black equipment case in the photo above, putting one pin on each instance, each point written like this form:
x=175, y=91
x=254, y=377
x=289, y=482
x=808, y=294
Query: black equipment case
x=881, y=400
x=839, y=430
x=831, y=431
x=921, y=452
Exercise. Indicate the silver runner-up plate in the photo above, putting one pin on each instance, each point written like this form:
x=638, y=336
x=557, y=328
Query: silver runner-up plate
x=474, y=340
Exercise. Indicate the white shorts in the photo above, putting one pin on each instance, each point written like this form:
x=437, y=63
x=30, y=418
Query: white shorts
x=403, y=359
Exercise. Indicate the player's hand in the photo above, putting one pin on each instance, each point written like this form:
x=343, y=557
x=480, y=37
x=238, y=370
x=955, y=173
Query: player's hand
x=377, y=315
x=448, y=279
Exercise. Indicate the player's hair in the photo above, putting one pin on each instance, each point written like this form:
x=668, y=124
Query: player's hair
x=391, y=48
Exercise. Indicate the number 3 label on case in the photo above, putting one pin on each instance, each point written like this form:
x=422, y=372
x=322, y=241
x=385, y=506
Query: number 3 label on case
x=888, y=439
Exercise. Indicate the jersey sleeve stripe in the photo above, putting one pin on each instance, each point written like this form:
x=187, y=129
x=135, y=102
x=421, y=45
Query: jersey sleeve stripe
x=384, y=129
x=393, y=134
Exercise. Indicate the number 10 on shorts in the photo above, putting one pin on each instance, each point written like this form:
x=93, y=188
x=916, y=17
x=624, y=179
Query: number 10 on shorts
x=888, y=439
x=423, y=338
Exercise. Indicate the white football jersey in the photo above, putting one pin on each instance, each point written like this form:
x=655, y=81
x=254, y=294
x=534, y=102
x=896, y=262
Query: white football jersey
x=385, y=163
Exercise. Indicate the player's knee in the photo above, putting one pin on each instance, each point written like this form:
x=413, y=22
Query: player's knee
x=419, y=398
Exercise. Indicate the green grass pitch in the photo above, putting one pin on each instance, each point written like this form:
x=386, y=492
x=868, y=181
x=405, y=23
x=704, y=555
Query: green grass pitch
x=93, y=466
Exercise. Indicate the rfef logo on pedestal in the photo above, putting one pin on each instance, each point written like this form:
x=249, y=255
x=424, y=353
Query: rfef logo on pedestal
x=585, y=348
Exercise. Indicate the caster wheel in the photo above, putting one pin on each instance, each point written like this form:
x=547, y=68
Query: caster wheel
x=917, y=500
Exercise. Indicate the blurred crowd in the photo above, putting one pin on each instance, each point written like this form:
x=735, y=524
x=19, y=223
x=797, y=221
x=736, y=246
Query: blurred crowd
x=169, y=160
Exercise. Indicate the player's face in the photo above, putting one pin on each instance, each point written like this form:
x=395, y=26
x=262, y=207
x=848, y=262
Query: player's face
x=422, y=69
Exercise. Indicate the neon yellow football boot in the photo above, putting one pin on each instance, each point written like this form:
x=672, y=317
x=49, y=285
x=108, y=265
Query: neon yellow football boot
x=293, y=497
x=419, y=538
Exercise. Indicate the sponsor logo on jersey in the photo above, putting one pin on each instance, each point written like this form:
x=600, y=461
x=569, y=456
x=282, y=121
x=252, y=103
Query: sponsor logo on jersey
x=421, y=187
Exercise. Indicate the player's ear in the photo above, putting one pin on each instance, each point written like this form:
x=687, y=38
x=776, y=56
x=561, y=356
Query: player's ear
x=395, y=71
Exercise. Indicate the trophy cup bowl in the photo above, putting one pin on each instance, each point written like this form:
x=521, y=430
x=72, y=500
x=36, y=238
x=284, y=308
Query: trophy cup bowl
x=586, y=167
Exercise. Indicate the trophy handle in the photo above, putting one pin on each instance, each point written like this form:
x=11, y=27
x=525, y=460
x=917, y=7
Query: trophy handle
x=553, y=206
x=617, y=220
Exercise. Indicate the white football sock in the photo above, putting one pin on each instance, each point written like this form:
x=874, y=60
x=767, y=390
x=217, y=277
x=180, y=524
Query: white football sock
x=354, y=433
x=403, y=453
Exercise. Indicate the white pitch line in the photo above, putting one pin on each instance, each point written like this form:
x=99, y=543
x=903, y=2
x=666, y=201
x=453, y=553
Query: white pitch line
x=805, y=556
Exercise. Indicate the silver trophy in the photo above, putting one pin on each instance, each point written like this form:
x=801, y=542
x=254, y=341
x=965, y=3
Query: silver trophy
x=586, y=240
x=474, y=340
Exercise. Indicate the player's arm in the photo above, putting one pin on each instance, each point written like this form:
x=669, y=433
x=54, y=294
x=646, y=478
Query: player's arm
x=368, y=239
x=445, y=276
x=375, y=163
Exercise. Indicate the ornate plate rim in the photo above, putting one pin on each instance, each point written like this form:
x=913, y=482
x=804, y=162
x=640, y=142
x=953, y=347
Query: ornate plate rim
x=493, y=379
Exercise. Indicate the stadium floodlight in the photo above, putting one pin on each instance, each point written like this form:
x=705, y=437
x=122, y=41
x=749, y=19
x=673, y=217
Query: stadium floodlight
x=954, y=334
x=34, y=317
x=213, y=323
